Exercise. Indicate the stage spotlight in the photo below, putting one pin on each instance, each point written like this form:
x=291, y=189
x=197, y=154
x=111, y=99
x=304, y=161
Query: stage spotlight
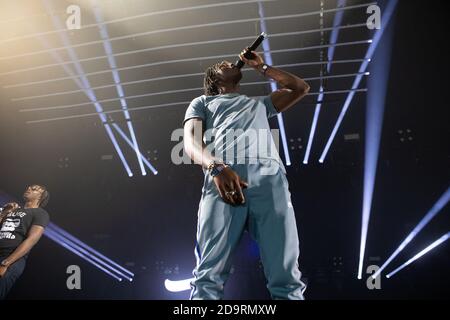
x=52, y=235
x=376, y=98
x=128, y=141
x=273, y=85
x=72, y=238
x=388, y=13
x=116, y=77
x=333, y=39
x=313, y=126
x=439, y=205
x=83, y=82
x=178, y=286
x=98, y=262
x=432, y=246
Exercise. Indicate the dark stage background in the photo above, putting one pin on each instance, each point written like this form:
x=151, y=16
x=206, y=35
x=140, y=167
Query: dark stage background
x=148, y=223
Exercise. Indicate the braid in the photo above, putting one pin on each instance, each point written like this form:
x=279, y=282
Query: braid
x=44, y=198
x=210, y=80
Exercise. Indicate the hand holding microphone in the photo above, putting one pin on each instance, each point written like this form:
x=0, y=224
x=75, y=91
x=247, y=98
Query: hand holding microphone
x=254, y=60
x=249, y=56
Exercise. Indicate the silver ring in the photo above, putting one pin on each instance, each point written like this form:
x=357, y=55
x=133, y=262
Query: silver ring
x=232, y=193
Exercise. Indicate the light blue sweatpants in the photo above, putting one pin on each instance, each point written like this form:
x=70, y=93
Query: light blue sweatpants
x=270, y=218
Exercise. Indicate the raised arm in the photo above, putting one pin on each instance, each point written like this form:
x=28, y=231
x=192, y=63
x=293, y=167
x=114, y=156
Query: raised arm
x=293, y=88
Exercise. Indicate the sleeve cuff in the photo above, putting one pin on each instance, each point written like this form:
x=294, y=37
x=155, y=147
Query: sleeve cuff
x=193, y=117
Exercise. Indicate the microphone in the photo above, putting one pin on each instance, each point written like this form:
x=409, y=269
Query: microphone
x=239, y=63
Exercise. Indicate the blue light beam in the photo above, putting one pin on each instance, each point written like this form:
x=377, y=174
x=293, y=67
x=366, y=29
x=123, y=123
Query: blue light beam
x=120, y=92
x=77, y=241
x=388, y=13
x=53, y=236
x=438, y=206
x=333, y=39
x=432, y=246
x=83, y=82
x=127, y=140
x=97, y=260
x=376, y=99
x=273, y=85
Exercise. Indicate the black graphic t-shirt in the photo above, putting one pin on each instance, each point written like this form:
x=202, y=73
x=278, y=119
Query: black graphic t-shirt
x=15, y=227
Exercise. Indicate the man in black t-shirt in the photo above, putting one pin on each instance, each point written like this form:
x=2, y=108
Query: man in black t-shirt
x=20, y=230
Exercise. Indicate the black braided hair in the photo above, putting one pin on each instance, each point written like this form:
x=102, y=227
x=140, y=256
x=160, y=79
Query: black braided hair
x=210, y=80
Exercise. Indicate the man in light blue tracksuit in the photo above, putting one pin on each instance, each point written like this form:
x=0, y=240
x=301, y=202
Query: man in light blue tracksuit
x=245, y=185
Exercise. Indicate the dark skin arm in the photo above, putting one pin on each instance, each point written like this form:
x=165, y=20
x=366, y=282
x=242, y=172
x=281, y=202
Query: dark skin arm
x=33, y=237
x=195, y=148
x=293, y=88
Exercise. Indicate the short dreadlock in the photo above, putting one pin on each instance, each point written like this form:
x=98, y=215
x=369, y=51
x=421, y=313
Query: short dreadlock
x=210, y=80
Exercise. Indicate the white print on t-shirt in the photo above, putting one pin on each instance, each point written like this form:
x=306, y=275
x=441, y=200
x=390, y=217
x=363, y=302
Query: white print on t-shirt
x=17, y=214
x=10, y=225
x=8, y=228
